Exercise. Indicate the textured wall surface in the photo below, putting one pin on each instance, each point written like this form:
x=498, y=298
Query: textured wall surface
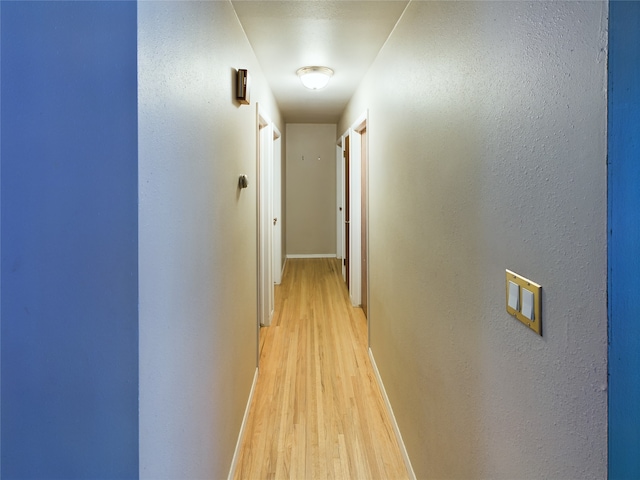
x=487, y=126
x=198, y=330
x=69, y=240
x=624, y=240
x=311, y=189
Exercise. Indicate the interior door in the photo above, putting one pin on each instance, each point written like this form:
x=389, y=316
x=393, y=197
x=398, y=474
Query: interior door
x=363, y=223
x=347, y=212
x=339, y=204
x=265, y=219
x=277, y=207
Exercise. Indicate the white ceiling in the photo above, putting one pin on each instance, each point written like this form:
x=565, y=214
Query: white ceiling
x=340, y=34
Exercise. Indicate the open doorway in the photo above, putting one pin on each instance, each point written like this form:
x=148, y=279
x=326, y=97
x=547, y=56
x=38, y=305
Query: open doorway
x=347, y=212
x=364, y=216
x=355, y=194
x=276, y=200
x=268, y=140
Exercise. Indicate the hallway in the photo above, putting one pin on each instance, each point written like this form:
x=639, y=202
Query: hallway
x=317, y=410
x=500, y=136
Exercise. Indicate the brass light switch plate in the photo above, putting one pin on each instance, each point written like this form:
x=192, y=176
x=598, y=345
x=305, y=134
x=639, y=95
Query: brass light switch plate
x=523, y=300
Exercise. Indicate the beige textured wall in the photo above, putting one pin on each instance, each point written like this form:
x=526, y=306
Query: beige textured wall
x=488, y=151
x=197, y=236
x=311, y=189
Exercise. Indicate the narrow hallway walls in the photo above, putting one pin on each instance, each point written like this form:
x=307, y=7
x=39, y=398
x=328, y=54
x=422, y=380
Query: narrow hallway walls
x=198, y=331
x=69, y=240
x=487, y=136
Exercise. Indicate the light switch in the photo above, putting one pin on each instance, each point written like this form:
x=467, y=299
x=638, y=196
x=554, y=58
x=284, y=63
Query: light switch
x=514, y=296
x=523, y=300
x=527, y=304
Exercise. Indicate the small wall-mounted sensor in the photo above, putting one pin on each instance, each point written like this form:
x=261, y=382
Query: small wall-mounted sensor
x=243, y=181
x=243, y=86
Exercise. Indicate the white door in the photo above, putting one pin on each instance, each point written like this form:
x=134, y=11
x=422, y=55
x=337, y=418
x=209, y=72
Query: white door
x=277, y=207
x=339, y=203
x=265, y=219
x=355, y=204
x=352, y=194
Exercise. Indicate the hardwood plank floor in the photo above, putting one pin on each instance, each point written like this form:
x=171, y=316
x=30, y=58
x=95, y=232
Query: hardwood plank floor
x=317, y=411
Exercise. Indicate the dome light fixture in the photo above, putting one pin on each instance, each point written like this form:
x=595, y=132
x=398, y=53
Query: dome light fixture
x=315, y=78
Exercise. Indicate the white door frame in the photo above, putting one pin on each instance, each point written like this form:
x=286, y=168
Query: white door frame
x=355, y=208
x=265, y=218
x=340, y=204
x=277, y=206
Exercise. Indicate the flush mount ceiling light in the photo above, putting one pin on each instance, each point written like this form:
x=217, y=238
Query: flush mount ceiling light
x=315, y=78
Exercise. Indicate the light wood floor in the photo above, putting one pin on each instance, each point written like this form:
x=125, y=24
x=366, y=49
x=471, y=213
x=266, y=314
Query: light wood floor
x=317, y=411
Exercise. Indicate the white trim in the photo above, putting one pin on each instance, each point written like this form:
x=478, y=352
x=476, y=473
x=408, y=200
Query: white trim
x=264, y=198
x=355, y=206
x=396, y=429
x=355, y=217
x=342, y=251
x=276, y=208
x=311, y=255
x=236, y=453
x=339, y=199
x=361, y=122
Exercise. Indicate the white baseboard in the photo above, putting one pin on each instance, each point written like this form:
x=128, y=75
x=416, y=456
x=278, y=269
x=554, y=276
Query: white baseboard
x=396, y=429
x=311, y=255
x=236, y=453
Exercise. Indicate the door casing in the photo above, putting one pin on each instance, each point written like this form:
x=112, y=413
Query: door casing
x=354, y=189
x=265, y=218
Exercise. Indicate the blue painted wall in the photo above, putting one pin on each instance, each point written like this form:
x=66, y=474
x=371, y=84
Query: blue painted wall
x=69, y=313
x=624, y=240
